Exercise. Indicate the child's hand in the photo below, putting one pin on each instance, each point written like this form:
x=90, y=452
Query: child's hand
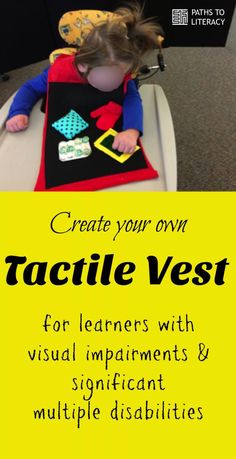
x=17, y=123
x=126, y=141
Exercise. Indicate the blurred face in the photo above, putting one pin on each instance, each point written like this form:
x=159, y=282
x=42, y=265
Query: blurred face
x=105, y=78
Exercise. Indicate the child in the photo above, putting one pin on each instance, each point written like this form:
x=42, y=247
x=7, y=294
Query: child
x=112, y=50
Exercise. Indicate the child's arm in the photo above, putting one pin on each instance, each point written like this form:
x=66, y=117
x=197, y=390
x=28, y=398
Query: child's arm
x=126, y=140
x=24, y=100
x=132, y=108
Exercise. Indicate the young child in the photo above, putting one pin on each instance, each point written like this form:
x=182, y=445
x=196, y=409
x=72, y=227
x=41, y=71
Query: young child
x=112, y=50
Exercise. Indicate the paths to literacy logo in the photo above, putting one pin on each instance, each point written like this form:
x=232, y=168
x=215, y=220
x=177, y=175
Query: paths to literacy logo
x=179, y=17
x=198, y=17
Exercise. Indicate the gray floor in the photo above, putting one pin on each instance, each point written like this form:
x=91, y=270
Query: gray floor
x=200, y=85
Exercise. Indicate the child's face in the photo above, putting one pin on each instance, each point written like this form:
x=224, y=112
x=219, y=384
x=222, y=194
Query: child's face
x=105, y=78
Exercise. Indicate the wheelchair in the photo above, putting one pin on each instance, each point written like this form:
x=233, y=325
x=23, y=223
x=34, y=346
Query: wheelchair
x=20, y=153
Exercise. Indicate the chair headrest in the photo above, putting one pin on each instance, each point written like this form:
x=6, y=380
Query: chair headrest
x=74, y=26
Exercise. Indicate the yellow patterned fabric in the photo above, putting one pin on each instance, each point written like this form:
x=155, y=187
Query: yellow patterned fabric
x=57, y=52
x=74, y=26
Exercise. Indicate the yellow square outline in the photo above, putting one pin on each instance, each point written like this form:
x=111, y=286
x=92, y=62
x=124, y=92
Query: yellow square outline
x=123, y=157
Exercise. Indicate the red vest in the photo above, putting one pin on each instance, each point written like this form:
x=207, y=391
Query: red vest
x=64, y=71
x=55, y=176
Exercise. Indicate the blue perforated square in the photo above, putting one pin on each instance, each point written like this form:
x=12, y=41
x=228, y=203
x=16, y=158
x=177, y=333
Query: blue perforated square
x=70, y=125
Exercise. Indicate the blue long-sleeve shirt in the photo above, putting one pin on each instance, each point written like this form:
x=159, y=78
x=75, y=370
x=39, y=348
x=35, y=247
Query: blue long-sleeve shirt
x=31, y=91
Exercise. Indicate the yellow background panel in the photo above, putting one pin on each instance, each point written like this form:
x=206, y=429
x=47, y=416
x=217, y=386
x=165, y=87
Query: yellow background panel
x=201, y=315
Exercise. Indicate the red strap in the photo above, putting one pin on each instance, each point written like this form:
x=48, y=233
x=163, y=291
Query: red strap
x=64, y=70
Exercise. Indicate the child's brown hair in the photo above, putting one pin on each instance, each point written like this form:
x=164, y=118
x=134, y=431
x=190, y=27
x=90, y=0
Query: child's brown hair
x=123, y=39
